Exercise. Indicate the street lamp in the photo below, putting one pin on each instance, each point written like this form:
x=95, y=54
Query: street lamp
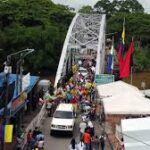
x=23, y=54
x=7, y=71
x=20, y=62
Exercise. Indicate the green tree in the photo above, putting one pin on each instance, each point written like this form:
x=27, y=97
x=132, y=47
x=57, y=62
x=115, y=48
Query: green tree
x=124, y=6
x=140, y=59
x=86, y=9
x=38, y=24
x=129, y=6
x=137, y=26
x=104, y=7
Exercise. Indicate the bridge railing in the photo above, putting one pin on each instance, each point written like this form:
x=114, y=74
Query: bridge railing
x=36, y=122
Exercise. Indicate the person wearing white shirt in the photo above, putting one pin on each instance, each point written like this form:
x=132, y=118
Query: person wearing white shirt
x=82, y=127
x=80, y=146
x=41, y=144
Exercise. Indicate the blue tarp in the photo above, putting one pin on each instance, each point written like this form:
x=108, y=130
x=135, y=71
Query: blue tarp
x=12, y=78
x=3, y=78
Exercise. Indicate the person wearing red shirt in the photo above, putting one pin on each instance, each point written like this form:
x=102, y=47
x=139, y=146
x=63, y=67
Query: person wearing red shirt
x=87, y=139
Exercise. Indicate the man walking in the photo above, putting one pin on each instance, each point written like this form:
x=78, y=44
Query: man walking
x=102, y=142
x=82, y=127
x=87, y=139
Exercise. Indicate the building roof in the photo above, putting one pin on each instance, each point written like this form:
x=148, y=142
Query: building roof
x=146, y=92
x=115, y=88
x=126, y=103
x=122, y=98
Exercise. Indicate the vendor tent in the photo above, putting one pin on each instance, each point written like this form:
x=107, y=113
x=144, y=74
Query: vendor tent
x=126, y=103
x=115, y=88
x=146, y=92
x=136, y=133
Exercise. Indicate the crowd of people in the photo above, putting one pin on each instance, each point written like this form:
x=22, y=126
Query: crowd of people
x=79, y=90
x=35, y=139
x=88, y=138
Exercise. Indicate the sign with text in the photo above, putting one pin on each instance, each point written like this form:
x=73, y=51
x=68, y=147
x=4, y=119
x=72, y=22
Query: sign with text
x=104, y=78
x=18, y=101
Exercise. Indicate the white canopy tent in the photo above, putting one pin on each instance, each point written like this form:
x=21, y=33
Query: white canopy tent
x=115, y=88
x=146, y=92
x=126, y=103
x=136, y=133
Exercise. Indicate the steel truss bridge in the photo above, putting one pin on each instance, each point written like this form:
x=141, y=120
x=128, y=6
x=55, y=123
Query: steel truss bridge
x=85, y=38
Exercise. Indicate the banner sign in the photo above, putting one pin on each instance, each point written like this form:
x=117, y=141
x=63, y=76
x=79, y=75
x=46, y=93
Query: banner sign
x=104, y=78
x=18, y=101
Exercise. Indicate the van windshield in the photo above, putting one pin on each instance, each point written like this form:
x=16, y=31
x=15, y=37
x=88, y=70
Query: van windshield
x=63, y=114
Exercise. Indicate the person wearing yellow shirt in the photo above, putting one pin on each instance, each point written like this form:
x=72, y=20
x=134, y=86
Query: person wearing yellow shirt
x=74, y=92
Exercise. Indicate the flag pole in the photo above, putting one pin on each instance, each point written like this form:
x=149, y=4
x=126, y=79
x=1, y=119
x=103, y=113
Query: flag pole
x=131, y=80
x=131, y=75
x=112, y=55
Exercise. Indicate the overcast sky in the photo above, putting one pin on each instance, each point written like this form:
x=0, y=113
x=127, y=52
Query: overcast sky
x=79, y=3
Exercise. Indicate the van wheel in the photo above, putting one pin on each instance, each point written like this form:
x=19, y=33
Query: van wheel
x=51, y=133
x=71, y=133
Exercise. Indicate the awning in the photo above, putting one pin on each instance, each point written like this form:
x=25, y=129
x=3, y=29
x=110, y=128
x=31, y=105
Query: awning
x=126, y=104
x=18, y=101
x=115, y=88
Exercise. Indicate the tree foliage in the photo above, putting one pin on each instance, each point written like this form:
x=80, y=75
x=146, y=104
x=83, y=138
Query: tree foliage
x=42, y=25
x=140, y=59
x=122, y=6
x=86, y=9
x=38, y=24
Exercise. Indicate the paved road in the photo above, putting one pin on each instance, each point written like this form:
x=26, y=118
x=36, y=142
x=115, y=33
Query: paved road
x=61, y=142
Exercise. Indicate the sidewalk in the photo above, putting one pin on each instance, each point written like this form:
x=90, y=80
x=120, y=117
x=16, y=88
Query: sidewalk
x=26, y=121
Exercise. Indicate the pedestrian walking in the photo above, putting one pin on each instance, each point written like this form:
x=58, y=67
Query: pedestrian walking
x=87, y=139
x=73, y=145
x=35, y=132
x=82, y=127
x=40, y=136
x=19, y=143
x=21, y=131
x=122, y=144
x=102, y=142
x=49, y=108
x=81, y=145
x=91, y=128
x=29, y=139
x=95, y=143
x=40, y=144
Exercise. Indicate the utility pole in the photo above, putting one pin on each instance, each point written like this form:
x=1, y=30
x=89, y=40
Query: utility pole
x=19, y=73
x=7, y=71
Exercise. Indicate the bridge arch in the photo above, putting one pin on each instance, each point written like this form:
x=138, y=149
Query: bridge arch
x=86, y=35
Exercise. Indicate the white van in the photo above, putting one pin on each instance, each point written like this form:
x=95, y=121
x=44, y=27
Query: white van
x=44, y=85
x=63, y=119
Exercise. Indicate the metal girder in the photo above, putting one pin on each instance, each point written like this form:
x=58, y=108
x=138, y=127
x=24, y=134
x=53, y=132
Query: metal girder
x=88, y=31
